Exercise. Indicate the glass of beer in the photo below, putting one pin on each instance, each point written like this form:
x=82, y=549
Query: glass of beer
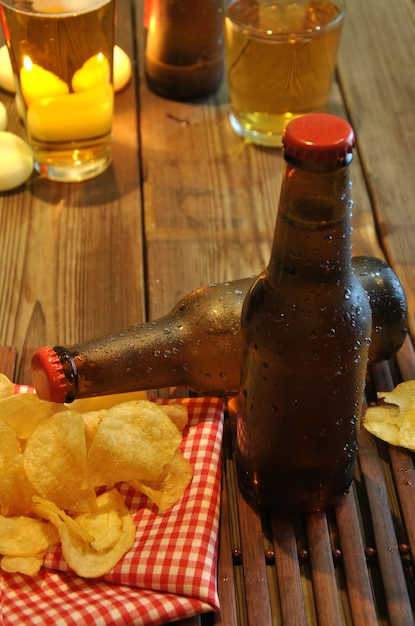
x=62, y=57
x=280, y=58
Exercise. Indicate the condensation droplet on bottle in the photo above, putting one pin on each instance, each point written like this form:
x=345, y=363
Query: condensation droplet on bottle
x=156, y=353
x=347, y=294
x=323, y=432
x=166, y=331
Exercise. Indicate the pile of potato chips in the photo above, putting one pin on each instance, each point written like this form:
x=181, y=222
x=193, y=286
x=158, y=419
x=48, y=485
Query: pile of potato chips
x=53, y=463
x=394, y=420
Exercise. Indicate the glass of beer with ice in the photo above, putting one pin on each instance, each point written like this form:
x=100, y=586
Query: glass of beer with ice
x=62, y=58
x=280, y=58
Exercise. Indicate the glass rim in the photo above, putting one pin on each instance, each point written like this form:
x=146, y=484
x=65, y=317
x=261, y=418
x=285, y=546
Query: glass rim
x=262, y=33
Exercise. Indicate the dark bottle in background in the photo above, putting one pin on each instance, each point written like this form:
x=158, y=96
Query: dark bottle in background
x=306, y=325
x=184, y=47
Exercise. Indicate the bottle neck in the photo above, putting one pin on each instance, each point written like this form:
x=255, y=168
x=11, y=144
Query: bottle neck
x=312, y=233
x=180, y=349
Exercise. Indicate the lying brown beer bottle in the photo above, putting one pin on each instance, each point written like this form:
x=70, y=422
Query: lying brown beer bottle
x=306, y=325
x=184, y=47
x=197, y=345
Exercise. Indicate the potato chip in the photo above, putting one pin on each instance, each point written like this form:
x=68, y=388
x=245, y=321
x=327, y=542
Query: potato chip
x=384, y=422
x=80, y=555
x=403, y=395
x=170, y=486
x=26, y=536
x=177, y=413
x=6, y=387
x=134, y=439
x=20, y=501
x=10, y=458
x=51, y=460
x=394, y=421
x=91, y=422
x=49, y=510
x=25, y=411
x=55, y=460
x=28, y=565
x=105, y=525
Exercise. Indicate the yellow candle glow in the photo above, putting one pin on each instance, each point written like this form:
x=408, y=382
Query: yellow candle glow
x=74, y=116
x=95, y=71
x=37, y=83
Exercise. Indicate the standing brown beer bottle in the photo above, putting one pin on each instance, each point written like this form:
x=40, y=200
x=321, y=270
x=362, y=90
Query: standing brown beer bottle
x=306, y=325
x=184, y=47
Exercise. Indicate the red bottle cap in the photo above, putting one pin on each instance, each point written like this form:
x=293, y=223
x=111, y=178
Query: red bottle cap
x=48, y=375
x=318, y=137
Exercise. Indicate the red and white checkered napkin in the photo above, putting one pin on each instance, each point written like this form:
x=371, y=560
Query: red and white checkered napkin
x=169, y=573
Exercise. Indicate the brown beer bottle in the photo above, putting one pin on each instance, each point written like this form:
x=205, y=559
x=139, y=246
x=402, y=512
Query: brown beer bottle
x=196, y=345
x=184, y=47
x=305, y=326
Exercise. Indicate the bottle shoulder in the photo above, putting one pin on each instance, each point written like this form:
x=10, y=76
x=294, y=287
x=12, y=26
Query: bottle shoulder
x=307, y=303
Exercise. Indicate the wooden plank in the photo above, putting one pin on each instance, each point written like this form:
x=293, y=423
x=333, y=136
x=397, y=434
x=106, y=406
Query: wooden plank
x=209, y=212
x=406, y=360
x=396, y=593
x=402, y=466
x=8, y=356
x=324, y=580
x=226, y=580
x=288, y=571
x=384, y=121
x=253, y=562
x=72, y=255
x=359, y=590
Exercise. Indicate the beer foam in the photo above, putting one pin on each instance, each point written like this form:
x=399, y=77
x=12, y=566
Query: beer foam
x=66, y=6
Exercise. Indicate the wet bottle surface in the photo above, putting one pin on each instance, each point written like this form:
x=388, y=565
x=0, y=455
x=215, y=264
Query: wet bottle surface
x=305, y=327
x=184, y=47
x=197, y=346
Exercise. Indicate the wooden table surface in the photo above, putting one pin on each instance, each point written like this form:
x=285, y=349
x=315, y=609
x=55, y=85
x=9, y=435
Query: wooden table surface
x=187, y=202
